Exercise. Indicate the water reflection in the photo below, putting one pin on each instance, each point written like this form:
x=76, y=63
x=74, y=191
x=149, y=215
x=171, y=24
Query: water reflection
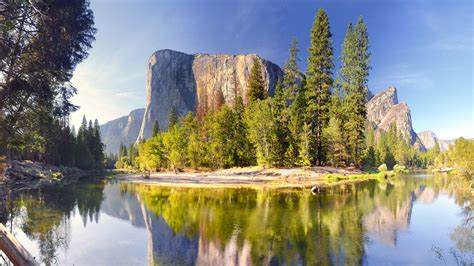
x=241, y=227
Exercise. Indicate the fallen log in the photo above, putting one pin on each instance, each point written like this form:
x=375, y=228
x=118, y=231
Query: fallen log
x=14, y=250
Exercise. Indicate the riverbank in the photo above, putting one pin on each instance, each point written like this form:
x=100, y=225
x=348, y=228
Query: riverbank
x=16, y=175
x=253, y=177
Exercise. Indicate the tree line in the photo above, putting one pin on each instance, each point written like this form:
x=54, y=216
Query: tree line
x=64, y=146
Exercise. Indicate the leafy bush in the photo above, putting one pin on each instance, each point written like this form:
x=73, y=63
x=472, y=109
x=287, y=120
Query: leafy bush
x=399, y=169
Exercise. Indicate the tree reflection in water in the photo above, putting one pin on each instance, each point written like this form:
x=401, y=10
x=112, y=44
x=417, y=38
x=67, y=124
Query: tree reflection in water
x=238, y=226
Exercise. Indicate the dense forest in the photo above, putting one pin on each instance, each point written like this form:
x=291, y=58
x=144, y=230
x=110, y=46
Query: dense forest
x=312, y=119
x=41, y=43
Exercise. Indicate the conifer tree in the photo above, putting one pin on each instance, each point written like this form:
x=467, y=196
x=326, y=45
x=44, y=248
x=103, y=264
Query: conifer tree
x=355, y=67
x=296, y=122
x=279, y=102
x=256, y=82
x=291, y=72
x=319, y=81
x=244, y=149
x=305, y=146
x=173, y=118
x=156, y=129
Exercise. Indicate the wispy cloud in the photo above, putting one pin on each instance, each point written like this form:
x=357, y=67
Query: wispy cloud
x=452, y=44
x=402, y=76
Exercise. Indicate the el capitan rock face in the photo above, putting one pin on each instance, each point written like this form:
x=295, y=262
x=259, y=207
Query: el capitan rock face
x=121, y=130
x=197, y=83
x=383, y=110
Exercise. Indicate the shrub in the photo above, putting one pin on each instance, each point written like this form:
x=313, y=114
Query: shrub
x=399, y=169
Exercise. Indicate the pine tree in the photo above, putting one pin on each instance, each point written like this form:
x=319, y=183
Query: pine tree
x=244, y=149
x=156, y=129
x=173, y=117
x=98, y=147
x=281, y=111
x=291, y=72
x=335, y=142
x=256, y=82
x=305, y=146
x=297, y=116
x=355, y=67
x=319, y=81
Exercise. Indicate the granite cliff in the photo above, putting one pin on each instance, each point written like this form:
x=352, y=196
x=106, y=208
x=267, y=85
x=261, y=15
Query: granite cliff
x=121, y=130
x=197, y=83
x=430, y=140
x=384, y=110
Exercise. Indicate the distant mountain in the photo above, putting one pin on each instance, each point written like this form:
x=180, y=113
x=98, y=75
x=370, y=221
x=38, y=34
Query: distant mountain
x=430, y=140
x=383, y=110
x=121, y=130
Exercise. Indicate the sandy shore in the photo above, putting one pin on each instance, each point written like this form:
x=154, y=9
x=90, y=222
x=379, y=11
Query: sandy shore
x=249, y=177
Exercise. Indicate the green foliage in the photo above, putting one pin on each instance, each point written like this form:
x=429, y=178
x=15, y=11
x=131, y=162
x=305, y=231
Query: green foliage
x=292, y=72
x=296, y=122
x=256, y=83
x=399, y=169
x=459, y=156
x=41, y=45
x=352, y=84
x=335, y=142
x=173, y=117
x=305, y=146
x=319, y=81
x=175, y=145
x=85, y=151
x=152, y=154
x=156, y=129
x=262, y=131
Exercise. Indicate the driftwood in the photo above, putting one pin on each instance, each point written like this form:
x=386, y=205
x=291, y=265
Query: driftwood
x=14, y=250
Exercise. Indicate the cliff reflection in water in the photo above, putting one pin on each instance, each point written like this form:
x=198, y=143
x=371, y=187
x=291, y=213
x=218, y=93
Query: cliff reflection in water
x=237, y=227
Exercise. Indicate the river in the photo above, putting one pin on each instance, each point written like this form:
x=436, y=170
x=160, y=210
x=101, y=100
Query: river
x=411, y=219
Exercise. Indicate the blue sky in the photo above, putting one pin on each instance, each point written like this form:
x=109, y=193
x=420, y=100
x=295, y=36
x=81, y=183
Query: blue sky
x=424, y=48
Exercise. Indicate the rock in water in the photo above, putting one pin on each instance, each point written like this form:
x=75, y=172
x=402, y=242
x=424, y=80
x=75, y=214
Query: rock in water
x=121, y=130
x=197, y=83
x=383, y=110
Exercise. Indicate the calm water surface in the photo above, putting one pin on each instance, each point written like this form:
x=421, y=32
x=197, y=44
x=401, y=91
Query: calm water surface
x=407, y=220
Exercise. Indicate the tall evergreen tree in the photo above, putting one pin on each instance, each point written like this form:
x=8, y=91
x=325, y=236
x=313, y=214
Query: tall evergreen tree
x=256, y=82
x=355, y=67
x=296, y=122
x=319, y=81
x=244, y=149
x=173, y=117
x=281, y=112
x=156, y=129
x=292, y=72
